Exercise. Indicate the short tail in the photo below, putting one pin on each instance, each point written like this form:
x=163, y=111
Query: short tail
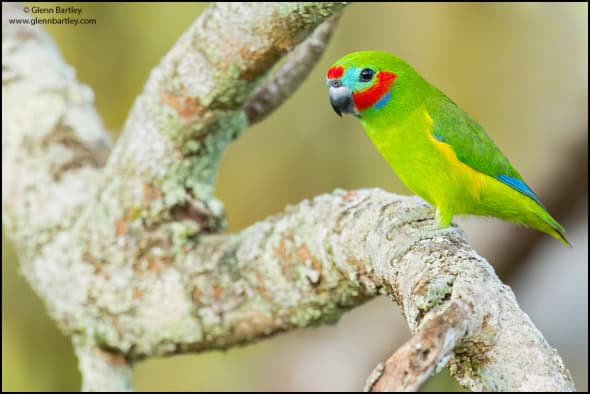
x=551, y=226
x=501, y=200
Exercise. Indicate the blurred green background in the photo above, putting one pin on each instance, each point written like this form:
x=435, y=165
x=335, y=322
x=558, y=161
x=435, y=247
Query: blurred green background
x=521, y=70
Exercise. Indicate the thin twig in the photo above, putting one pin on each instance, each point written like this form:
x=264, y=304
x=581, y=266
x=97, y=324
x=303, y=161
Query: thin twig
x=424, y=354
x=298, y=64
x=103, y=371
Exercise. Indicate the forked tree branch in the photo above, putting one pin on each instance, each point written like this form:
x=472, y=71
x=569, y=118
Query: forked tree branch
x=130, y=260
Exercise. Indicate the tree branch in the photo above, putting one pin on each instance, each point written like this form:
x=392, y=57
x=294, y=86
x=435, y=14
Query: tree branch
x=190, y=110
x=102, y=371
x=136, y=267
x=299, y=63
x=53, y=142
x=424, y=355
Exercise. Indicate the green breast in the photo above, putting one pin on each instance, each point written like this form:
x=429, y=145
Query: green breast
x=428, y=168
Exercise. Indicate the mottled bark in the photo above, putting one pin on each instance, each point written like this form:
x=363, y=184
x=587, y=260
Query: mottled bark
x=130, y=259
x=298, y=64
x=424, y=354
x=103, y=371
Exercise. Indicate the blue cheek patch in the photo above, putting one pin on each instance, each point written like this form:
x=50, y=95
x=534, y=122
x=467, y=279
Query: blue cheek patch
x=383, y=100
x=350, y=78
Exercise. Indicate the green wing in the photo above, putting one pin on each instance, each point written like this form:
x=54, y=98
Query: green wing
x=472, y=145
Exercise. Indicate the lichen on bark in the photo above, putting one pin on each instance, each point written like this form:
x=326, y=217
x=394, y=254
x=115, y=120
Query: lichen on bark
x=130, y=257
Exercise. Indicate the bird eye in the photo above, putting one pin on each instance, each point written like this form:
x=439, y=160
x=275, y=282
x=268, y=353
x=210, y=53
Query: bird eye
x=366, y=75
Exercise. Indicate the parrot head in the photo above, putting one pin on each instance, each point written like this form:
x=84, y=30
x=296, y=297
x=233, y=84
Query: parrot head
x=365, y=83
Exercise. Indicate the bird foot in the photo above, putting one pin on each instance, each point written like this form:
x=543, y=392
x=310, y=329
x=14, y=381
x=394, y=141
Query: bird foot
x=435, y=230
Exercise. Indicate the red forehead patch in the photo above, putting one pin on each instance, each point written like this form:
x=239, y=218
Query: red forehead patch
x=366, y=98
x=335, y=72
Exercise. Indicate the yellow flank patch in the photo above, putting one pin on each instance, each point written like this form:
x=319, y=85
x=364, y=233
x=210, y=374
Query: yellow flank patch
x=473, y=180
x=429, y=120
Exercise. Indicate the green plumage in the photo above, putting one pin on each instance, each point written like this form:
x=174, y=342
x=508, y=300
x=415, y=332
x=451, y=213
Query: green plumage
x=469, y=141
x=435, y=147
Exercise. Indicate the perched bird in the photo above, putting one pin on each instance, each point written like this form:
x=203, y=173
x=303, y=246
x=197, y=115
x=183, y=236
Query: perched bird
x=437, y=150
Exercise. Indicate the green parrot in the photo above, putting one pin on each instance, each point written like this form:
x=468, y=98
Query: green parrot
x=437, y=150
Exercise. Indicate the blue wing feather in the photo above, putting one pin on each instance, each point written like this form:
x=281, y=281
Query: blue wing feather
x=519, y=185
x=472, y=145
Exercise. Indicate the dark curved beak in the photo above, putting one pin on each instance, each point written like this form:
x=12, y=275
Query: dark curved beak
x=341, y=99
